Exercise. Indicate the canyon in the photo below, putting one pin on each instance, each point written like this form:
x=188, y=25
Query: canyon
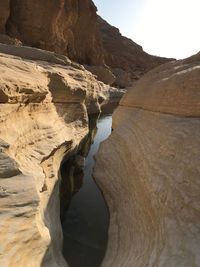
x=55, y=73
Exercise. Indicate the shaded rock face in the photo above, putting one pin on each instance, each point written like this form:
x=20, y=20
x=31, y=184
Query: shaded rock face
x=4, y=14
x=149, y=170
x=44, y=109
x=72, y=28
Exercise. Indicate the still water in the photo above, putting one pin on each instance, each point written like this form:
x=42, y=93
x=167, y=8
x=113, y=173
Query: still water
x=85, y=221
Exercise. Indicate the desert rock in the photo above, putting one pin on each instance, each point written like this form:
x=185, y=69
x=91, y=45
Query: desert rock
x=149, y=170
x=43, y=117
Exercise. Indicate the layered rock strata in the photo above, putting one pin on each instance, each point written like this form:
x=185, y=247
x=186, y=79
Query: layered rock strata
x=44, y=107
x=149, y=170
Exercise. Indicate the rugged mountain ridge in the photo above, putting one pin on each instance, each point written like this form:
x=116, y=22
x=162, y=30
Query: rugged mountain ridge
x=73, y=28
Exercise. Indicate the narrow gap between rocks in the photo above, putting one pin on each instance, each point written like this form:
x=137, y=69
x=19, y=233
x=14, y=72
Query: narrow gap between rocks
x=84, y=213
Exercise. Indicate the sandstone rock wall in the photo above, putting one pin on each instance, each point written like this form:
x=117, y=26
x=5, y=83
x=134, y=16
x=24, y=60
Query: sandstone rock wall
x=43, y=117
x=149, y=170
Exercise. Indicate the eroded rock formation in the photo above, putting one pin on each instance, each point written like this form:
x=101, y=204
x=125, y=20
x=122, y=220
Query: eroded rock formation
x=149, y=170
x=72, y=28
x=43, y=117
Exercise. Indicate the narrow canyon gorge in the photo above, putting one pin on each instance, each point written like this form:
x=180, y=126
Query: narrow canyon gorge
x=63, y=70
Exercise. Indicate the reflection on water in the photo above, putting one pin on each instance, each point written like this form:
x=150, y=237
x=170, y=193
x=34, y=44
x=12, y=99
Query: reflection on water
x=85, y=220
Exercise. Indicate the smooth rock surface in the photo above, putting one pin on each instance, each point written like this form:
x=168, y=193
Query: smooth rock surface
x=149, y=171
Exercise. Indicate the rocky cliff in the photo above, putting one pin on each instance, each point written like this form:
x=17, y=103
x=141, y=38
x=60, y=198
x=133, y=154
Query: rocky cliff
x=149, y=170
x=44, y=106
x=60, y=26
x=72, y=28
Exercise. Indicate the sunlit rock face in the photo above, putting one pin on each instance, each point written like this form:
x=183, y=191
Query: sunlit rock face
x=44, y=105
x=149, y=170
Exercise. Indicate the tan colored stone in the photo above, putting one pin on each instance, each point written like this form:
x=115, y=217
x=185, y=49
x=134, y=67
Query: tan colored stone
x=148, y=170
x=172, y=88
x=43, y=118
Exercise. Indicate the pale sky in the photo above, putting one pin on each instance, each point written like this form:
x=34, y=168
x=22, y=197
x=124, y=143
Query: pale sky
x=168, y=28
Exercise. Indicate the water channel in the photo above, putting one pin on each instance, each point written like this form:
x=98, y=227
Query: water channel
x=85, y=217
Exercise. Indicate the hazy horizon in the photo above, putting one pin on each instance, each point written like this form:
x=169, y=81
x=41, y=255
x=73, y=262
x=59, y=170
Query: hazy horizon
x=162, y=28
